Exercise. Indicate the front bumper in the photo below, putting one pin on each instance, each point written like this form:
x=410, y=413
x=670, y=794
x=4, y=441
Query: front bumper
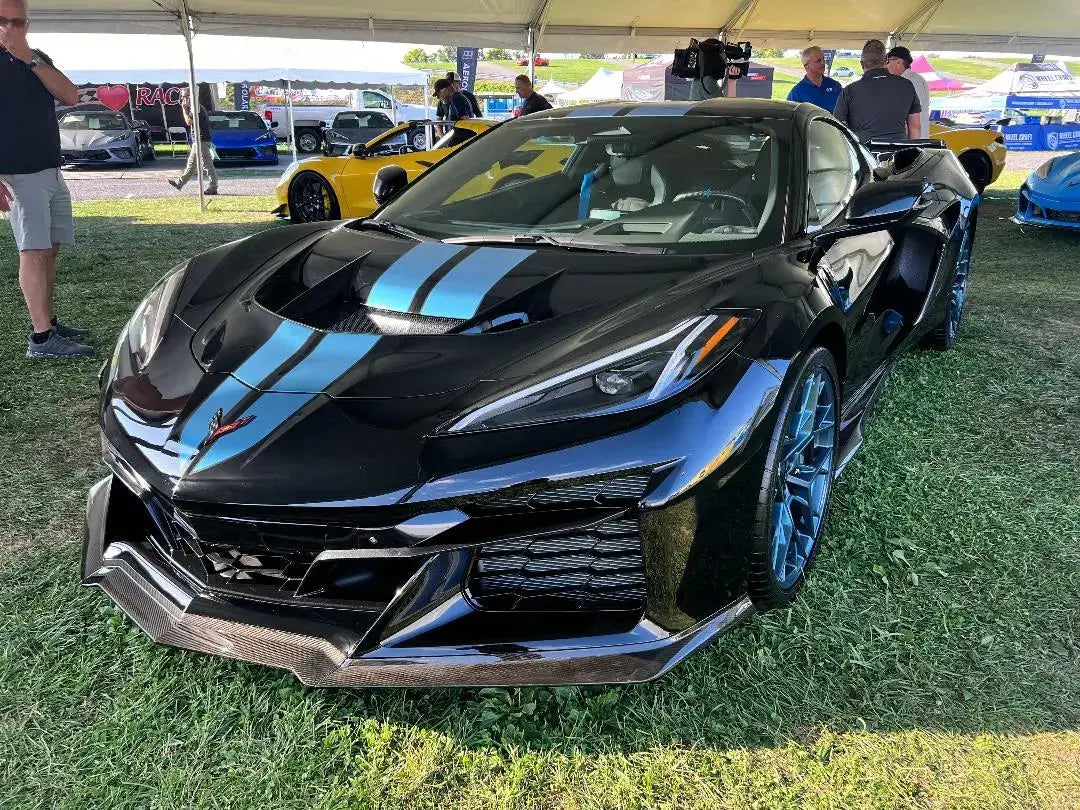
x=97, y=157
x=1045, y=212
x=320, y=647
x=261, y=153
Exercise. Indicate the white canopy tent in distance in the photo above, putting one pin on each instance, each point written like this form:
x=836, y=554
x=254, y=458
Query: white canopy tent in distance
x=1053, y=26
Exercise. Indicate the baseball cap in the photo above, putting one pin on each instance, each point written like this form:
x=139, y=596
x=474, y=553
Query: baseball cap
x=900, y=52
x=440, y=85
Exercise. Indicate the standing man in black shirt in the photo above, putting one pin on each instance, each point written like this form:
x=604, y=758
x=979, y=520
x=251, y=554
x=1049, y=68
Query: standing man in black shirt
x=879, y=106
x=32, y=190
x=203, y=145
x=534, y=102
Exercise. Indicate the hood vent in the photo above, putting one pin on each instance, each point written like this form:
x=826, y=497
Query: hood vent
x=360, y=319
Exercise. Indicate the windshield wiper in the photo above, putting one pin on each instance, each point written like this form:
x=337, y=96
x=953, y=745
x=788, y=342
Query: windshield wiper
x=391, y=228
x=568, y=242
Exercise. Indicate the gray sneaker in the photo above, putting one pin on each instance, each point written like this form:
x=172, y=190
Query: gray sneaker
x=75, y=333
x=57, y=346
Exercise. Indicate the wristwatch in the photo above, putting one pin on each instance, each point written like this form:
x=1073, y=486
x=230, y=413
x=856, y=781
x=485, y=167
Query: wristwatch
x=35, y=60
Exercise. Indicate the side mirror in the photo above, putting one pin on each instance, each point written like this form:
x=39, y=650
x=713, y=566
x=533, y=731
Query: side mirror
x=358, y=150
x=273, y=124
x=885, y=202
x=389, y=182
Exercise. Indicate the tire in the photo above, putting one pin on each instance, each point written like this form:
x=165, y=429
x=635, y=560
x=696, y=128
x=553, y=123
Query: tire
x=307, y=140
x=137, y=163
x=780, y=557
x=978, y=168
x=943, y=336
x=311, y=199
x=150, y=154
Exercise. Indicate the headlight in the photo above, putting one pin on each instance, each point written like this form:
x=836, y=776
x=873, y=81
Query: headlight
x=147, y=325
x=266, y=136
x=648, y=371
x=335, y=135
x=118, y=138
x=1044, y=169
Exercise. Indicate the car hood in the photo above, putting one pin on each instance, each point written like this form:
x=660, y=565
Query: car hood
x=89, y=138
x=287, y=386
x=1062, y=179
x=244, y=137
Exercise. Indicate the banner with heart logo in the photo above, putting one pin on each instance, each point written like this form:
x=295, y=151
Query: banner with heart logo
x=114, y=97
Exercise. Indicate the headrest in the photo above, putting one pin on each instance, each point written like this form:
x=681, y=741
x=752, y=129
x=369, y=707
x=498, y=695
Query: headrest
x=628, y=171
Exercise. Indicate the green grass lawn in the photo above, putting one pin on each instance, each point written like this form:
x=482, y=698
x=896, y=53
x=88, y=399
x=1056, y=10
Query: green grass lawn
x=932, y=661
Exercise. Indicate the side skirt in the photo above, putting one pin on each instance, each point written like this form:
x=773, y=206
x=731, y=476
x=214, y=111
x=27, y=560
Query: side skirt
x=853, y=416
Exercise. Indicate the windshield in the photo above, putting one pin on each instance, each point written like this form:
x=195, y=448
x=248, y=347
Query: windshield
x=352, y=120
x=238, y=120
x=101, y=121
x=689, y=184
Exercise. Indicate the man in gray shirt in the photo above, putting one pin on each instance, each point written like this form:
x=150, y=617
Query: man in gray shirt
x=879, y=106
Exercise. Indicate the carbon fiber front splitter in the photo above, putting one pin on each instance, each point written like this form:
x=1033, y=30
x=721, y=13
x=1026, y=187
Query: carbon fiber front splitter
x=172, y=612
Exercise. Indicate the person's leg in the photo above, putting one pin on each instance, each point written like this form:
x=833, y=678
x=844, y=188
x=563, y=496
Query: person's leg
x=208, y=164
x=189, y=170
x=62, y=232
x=36, y=286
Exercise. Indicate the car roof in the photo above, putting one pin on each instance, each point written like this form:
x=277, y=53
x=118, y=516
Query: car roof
x=718, y=107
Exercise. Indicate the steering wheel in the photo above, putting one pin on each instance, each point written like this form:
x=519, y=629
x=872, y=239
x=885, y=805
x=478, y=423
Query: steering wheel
x=708, y=195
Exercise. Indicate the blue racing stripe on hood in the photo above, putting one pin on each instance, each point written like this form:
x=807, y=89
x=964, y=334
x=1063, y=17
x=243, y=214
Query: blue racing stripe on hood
x=330, y=359
x=286, y=340
x=459, y=293
x=399, y=284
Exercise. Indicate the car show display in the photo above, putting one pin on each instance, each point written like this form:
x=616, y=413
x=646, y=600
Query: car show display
x=570, y=404
x=99, y=137
x=1050, y=197
x=352, y=127
x=242, y=137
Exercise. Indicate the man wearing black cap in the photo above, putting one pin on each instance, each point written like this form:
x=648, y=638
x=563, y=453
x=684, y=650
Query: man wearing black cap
x=898, y=61
x=453, y=106
x=879, y=106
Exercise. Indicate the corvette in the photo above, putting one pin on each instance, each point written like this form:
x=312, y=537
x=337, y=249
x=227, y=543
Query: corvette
x=1050, y=197
x=325, y=188
x=981, y=151
x=562, y=431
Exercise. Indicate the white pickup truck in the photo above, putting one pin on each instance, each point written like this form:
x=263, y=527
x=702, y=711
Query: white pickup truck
x=311, y=119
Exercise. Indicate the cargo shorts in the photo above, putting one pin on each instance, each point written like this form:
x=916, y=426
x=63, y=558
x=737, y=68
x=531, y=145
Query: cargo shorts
x=41, y=209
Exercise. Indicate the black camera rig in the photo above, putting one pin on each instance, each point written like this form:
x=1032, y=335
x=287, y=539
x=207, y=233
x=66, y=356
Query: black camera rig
x=711, y=58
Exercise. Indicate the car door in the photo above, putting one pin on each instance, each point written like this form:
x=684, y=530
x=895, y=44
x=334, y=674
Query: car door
x=851, y=266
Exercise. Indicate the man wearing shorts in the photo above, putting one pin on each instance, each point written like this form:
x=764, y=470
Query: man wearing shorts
x=32, y=190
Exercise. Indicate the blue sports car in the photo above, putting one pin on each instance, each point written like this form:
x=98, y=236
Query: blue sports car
x=242, y=137
x=1050, y=197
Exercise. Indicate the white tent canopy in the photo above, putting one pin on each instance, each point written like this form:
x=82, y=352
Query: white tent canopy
x=604, y=85
x=1053, y=26
x=551, y=88
x=297, y=78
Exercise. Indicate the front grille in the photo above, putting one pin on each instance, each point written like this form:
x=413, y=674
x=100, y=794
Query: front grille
x=1062, y=216
x=236, y=153
x=598, y=569
x=92, y=154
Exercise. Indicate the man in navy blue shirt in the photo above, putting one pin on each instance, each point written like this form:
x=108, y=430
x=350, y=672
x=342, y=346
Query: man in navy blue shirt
x=816, y=87
x=456, y=105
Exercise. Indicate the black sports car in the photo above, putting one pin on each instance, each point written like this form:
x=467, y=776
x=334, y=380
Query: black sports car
x=563, y=430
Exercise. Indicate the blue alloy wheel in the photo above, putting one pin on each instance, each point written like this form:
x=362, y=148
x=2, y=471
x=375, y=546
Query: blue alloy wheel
x=804, y=477
x=959, y=286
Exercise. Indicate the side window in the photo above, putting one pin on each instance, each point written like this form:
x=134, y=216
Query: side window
x=832, y=172
x=375, y=101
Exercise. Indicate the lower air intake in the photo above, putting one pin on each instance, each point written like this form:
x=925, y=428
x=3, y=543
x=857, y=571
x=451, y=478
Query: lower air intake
x=599, y=569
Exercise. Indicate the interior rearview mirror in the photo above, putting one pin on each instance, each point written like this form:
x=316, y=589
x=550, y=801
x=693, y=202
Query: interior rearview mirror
x=389, y=182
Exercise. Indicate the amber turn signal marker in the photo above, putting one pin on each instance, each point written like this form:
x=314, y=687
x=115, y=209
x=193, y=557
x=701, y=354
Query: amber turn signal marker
x=715, y=340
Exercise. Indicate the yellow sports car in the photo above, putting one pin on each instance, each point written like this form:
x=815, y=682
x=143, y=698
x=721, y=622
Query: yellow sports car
x=322, y=188
x=981, y=151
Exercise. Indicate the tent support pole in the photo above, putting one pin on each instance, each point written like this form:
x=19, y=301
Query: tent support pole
x=531, y=40
x=292, y=120
x=186, y=24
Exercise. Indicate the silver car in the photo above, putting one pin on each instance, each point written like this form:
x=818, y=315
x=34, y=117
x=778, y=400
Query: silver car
x=91, y=138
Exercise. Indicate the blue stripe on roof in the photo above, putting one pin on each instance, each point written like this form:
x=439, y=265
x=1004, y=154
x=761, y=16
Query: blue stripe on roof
x=460, y=292
x=401, y=281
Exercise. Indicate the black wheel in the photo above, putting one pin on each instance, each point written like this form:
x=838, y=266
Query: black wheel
x=311, y=199
x=150, y=153
x=307, y=140
x=943, y=337
x=978, y=168
x=797, y=483
x=137, y=163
